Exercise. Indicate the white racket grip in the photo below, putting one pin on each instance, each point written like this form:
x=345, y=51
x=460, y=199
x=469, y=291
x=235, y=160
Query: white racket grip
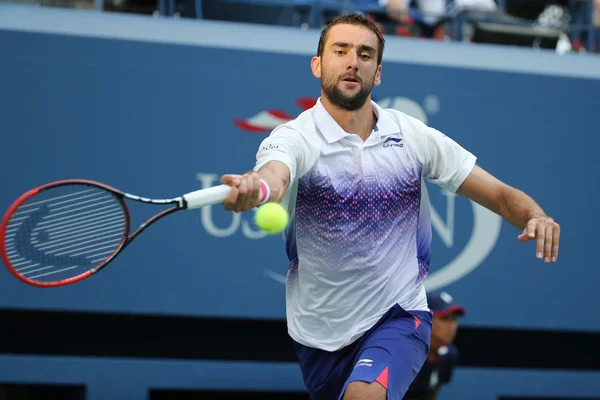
x=206, y=197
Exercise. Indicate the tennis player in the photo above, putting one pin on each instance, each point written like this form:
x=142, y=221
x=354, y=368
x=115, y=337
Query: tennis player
x=351, y=175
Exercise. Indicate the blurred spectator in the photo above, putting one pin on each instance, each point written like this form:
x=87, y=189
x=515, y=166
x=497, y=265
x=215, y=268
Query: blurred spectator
x=397, y=10
x=432, y=13
x=431, y=17
x=443, y=356
x=393, y=16
x=581, y=18
x=597, y=23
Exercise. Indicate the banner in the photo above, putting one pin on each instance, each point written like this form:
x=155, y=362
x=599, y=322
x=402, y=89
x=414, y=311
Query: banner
x=159, y=120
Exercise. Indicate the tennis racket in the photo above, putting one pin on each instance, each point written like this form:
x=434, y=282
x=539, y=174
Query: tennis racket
x=65, y=231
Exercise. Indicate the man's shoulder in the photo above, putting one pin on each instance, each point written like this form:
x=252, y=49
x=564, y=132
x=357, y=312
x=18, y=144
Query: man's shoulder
x=303, y=123
x=302, y=126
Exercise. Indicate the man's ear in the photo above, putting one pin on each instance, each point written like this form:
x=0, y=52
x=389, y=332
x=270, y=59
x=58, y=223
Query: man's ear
x=315, y=65
x=377, y=80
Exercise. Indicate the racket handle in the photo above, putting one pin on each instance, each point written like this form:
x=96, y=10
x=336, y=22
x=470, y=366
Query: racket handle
x=206, y=197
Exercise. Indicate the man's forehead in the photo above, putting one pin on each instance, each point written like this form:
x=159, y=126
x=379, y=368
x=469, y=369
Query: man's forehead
x=356, y=35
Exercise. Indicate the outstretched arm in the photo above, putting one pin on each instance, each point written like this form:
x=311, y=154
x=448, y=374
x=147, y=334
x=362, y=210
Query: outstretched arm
x=517, y=208
x=246, y=190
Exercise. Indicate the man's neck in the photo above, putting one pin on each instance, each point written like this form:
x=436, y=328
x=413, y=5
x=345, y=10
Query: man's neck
x=359, y=122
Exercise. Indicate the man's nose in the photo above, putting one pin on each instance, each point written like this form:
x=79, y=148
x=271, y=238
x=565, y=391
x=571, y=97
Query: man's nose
x=352, y=61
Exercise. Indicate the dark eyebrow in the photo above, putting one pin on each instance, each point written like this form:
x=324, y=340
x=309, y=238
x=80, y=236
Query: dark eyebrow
x=363, y=47
x=367, y=48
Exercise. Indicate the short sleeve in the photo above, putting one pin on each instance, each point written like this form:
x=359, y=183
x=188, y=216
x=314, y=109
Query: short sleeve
x=445, y=162
x=287, y=145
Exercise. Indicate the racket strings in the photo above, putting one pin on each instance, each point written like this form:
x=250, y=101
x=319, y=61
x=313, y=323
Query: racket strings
x=64, y=231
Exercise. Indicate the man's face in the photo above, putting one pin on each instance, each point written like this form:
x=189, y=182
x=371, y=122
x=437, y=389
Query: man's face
x=444, y=328
x=348, y=67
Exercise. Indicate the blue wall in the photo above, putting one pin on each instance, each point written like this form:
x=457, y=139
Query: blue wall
x=149, y=106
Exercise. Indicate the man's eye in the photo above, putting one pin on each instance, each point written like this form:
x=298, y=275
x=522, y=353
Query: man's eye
x=365, y=56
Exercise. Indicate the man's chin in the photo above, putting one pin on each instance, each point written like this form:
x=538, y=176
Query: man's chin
x=349, y=99
x=349, y=92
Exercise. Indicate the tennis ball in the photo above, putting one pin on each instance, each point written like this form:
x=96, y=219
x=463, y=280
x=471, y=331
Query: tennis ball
x=271, y=218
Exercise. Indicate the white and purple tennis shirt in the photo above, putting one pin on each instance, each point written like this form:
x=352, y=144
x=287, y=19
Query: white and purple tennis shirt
x=359, y=237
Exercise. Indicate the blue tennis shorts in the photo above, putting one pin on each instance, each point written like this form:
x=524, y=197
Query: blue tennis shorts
x=392, y=353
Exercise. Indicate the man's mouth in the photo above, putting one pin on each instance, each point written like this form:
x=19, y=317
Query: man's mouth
x=350, y=79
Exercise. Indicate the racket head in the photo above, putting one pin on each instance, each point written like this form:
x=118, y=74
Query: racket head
x=63, y=232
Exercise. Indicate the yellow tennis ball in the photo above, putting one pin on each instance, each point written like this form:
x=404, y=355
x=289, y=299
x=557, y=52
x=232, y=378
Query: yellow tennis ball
x=271, y=218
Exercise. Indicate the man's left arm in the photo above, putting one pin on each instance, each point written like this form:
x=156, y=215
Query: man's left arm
x=517, y=208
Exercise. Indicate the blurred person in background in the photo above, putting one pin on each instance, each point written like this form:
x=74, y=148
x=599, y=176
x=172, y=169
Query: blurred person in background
x=395, y=16
x=580, y=18
x=596, y=20
x=597, y=23
x=427, y=18
x=443, y=356
x=426, y=25
x=392, y=17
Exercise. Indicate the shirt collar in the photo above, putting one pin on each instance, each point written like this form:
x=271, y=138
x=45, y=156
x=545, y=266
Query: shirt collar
x=333, y=132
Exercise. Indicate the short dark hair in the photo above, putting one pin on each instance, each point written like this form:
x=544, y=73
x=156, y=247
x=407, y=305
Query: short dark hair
x=352, y=19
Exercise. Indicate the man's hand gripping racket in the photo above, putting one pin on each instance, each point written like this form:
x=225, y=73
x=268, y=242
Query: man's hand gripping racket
x=66, y=231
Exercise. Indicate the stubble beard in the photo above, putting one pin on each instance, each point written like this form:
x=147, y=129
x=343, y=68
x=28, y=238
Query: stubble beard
x=342, y=101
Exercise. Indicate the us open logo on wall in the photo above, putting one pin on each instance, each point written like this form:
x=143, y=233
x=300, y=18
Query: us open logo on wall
x=464, y=233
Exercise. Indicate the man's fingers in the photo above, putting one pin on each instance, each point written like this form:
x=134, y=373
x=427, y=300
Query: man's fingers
x=548, y=241
x=540, y=233
x=230, y=200
x=254, y=195
x=245, y=193
x=249, y=193
x=531, y=229
x=231, y=179
x=535, y=231
x=546, y=234
x=243, y=186
x=523, y=237
x=555, y=240
x=248, y=196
